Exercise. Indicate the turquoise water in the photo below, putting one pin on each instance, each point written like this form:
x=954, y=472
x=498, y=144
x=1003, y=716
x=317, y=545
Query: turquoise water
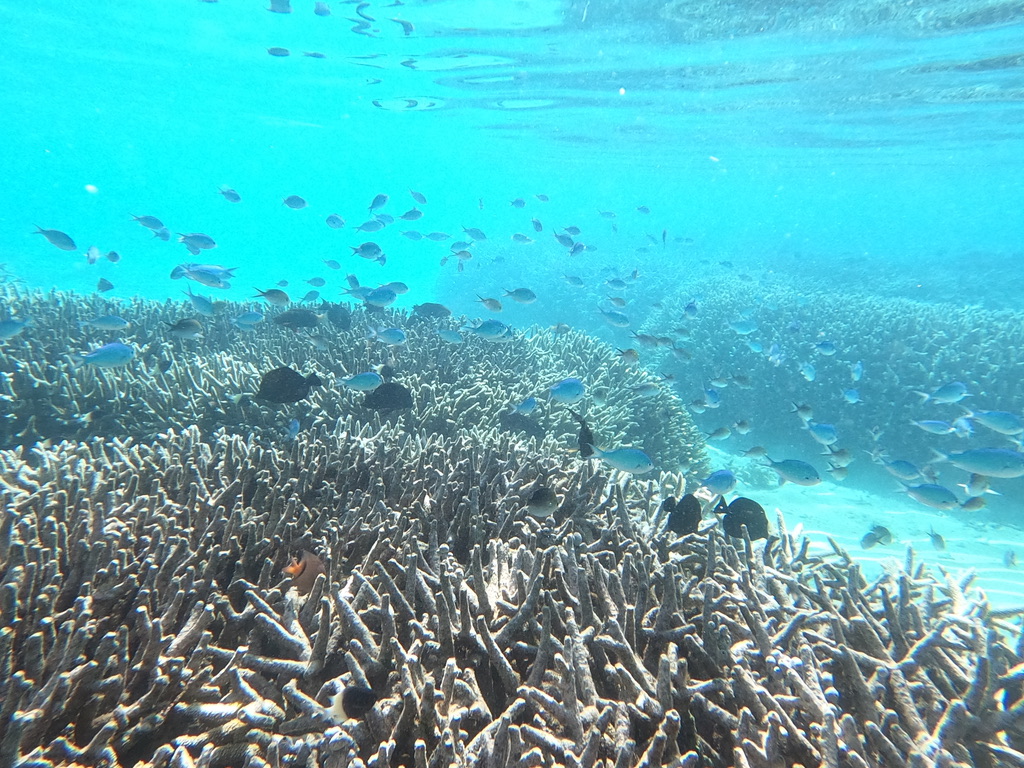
x=789, y=156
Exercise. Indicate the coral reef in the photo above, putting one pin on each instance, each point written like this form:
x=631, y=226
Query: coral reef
x=176, y=383
x=145, y=620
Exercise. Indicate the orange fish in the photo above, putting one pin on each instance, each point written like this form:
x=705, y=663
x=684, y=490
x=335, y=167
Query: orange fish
x=304, y=571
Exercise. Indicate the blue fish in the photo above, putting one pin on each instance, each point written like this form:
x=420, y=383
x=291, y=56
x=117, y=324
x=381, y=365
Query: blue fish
x=380, y=297
x=200, y=304
x=856, y=370
x=106, y=323
x=450, y=336
x=795, y=471
x=529, y=405
x=490, y=330
x=112, y=355
x=743, y=326
x=932, y=495
x=826, y=348
x=953, y=392
x=1003, y=422
x=934, y=427
x=394, y=337
x=807, y=371
x=11, y=328
x=824, y=433
x=568, y=391
x=631, y=460
x=720, y=482
x=364, y=382
x=852, y=396
x=292, y=430
x=990, y=462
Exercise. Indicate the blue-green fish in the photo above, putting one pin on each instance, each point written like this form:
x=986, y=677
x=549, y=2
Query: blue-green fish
x=490, y=330
x=363, y=382
x=12, y=327
x=568, y=391
x=998, y=421
x=795, y=471
x=953, y=392
x=57, y=238
x=392, y=336
x=449, y=336
x=990, y=462
x=380, y=297
x=200, y=304
x=932, y=495
x=631, y=460
x=112, y=355
x=720, y=482
x=106, y=323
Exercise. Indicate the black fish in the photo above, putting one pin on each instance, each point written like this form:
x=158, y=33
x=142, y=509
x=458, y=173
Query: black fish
x=356, y=701
x=430, y=309
x=586, y=438
x=337, y=315
x=286, y=385
x=743, y=511
x=298, y=318
x=721, y=507
x=879, y=534
x=518, y=422
x=684, y=515
x=389, y=396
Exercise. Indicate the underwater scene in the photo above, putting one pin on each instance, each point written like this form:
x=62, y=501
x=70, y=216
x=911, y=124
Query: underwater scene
x=585, y=383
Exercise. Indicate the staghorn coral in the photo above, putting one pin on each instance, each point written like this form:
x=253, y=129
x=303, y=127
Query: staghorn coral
x=145, y=620
x=175, y=384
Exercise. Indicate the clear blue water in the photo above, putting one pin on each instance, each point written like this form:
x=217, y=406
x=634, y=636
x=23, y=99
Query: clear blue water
x=866, y=149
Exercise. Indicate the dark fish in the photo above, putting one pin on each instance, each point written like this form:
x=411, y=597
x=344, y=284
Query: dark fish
x=879, y=534
x=431, y=309
x=104, y=285
x=280, y=6
x=354, y=701
x=149, y=222
x=542, y=502
x=294, y=202
x=586, y=436
x=743, y=511
x=297, y=318
x=113, y=257
x=286, y=385
x=276, y=51
x=187, y=328
x=518, y=422
x=418, y=197
x=389, y=396
x=231, y=195
x=304, y=570
x=57, y=238
x=338, y=315
x=684, y=515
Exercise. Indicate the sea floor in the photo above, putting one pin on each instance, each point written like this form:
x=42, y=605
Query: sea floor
x=846, y=514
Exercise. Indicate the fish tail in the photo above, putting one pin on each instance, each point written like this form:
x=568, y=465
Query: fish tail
x=925, y=397
x=937, y=457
